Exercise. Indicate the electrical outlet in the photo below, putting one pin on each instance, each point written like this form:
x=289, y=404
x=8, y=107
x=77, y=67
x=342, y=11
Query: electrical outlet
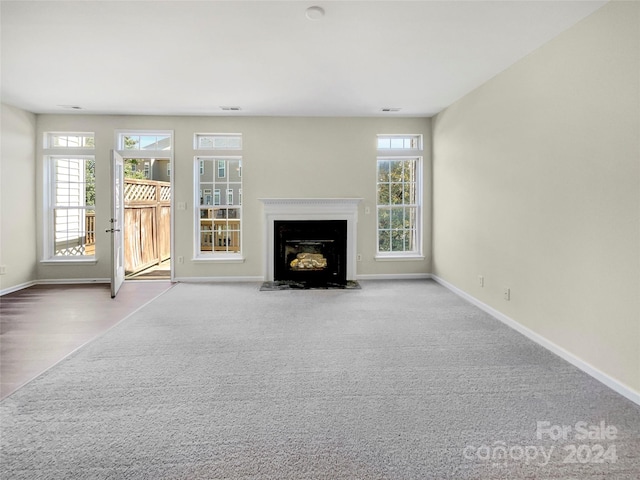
x=3, y=269
x=481, y=280
x=367, y=210
x=507, y=294
x=359, y=257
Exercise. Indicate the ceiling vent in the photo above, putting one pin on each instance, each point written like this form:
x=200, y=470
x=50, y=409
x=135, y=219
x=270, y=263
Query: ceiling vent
x=231, y=109
x=391, y=109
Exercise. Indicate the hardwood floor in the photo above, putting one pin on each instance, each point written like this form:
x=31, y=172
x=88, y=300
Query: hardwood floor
x=41, y=325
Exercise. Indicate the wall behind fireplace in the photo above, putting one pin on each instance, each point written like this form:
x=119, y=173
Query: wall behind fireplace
x=283, y=157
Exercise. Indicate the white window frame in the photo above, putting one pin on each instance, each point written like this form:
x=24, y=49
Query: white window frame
x=50, y=205
x=402, y=147
x=216, y=141
x=399, y=142
x=122, y=134
x=50, y=144
x=50, y=150
x=215, y=256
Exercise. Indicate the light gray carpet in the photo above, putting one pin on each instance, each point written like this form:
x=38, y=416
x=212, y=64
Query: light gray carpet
x=398, y=380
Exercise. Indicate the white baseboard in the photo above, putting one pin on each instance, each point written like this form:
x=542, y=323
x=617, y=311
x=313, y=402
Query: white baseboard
x=602, y=377
x=15, y=288
x=218, y=279
x=71, y=281
x=394, y=276
x=54, y=281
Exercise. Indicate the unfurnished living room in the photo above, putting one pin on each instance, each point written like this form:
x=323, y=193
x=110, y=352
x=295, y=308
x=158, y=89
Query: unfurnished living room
x=320, y=240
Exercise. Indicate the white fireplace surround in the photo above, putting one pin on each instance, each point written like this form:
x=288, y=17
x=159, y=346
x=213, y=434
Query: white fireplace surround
x=311, y=209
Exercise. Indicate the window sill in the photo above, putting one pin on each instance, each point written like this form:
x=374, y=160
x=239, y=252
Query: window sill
x=399, y=258
x=67, y=261
x=219, y=259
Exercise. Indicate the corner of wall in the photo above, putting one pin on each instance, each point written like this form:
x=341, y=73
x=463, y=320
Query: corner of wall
x=18, y=253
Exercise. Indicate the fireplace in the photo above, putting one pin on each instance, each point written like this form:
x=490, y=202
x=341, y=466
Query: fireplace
x=310, y=252
x=319, y=239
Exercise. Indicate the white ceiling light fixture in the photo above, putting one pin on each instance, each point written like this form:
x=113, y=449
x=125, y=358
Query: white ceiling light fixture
x=315, y=13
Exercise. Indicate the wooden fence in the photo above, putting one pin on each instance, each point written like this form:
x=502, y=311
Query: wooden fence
x=147, y=219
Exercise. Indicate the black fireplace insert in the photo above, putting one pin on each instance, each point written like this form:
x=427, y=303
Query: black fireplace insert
x=311, y=252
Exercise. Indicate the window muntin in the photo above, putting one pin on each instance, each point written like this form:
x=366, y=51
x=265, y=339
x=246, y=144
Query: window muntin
x=71, y=206
x=217, y=141
x=398, y=205
x=219, y=218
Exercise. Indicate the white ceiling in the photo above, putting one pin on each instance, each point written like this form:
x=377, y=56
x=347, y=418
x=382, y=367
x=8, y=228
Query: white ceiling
x=192, y=57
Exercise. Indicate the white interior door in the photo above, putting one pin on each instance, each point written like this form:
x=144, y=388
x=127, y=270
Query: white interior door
x=117, y=219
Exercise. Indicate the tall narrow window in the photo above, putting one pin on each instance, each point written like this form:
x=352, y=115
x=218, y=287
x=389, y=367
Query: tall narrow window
x=219, y=221
x=72, y=206
x=399, y=198
x=218, y=231
x=70, y=193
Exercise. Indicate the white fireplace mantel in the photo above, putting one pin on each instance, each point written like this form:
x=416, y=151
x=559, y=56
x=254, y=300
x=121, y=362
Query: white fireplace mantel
x=311, y=209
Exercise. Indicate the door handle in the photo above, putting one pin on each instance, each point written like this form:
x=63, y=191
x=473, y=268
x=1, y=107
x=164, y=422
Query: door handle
x=112, y=230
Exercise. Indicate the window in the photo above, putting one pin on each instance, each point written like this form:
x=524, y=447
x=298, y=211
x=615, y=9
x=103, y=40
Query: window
x=399, y=142
x=147, y=170
x=69, y=140
x=217, y=141
x=71, y=217
x=218, y=224
x=140, y=141
x=70, y=197
x=399, y=196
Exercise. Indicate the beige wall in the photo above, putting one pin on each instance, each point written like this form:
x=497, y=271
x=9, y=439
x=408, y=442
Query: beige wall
x=282, y=157
x=537, y=188
x=17, y=197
